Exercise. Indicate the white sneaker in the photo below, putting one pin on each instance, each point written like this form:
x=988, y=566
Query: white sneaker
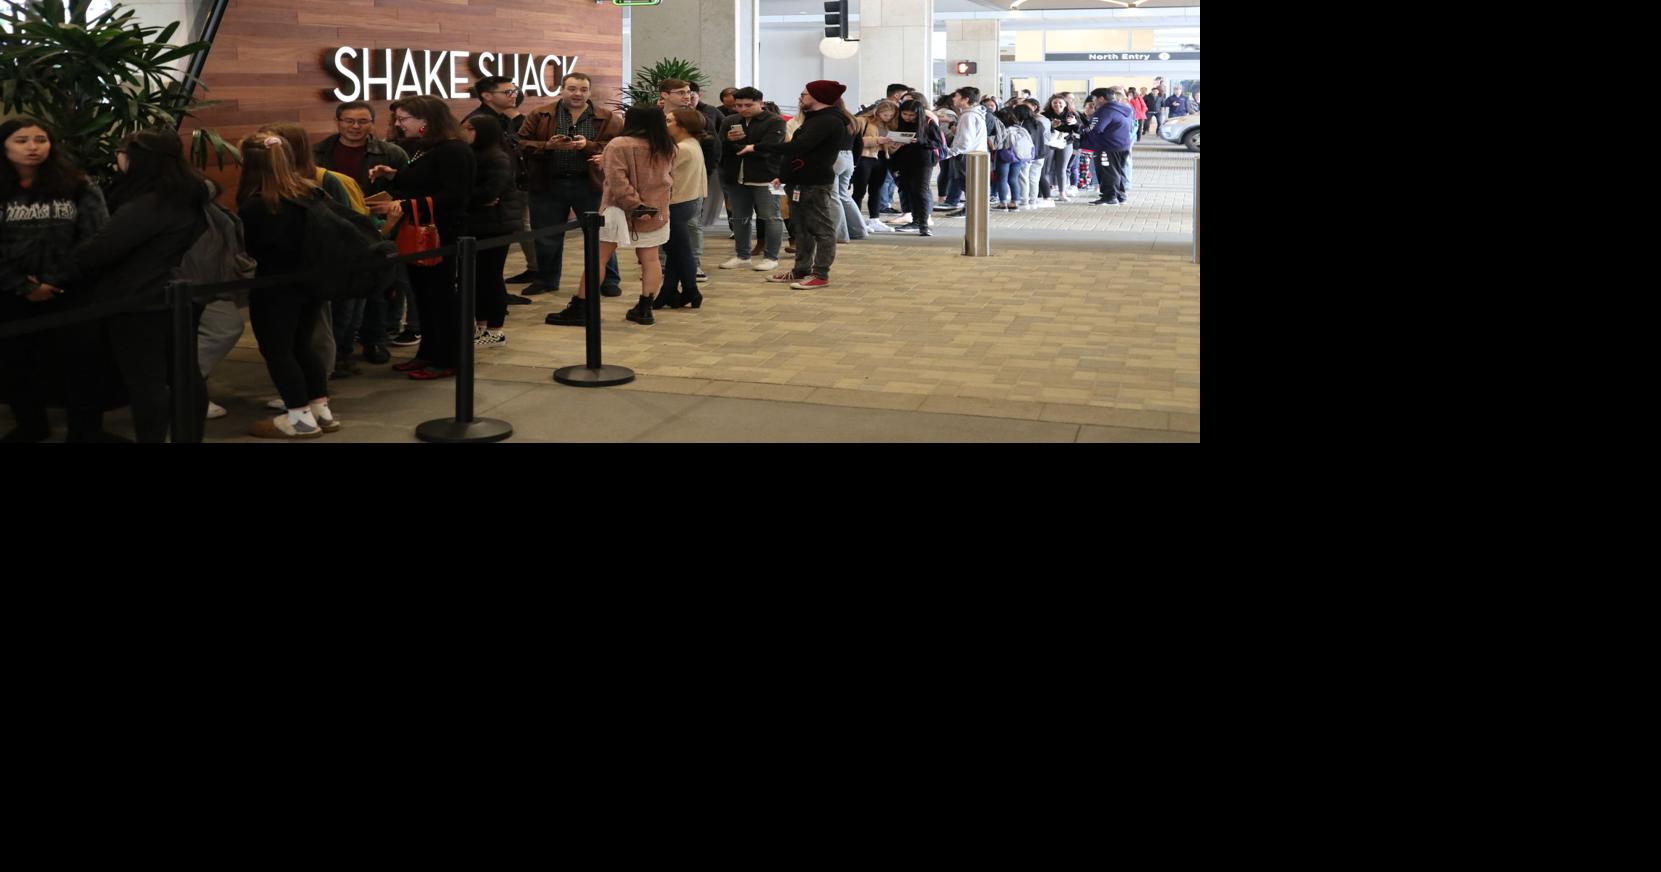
x=490, y=339
x=904, y=218
x=276, y=404
x=766, y=265
x=736, y=263
x=215, y=410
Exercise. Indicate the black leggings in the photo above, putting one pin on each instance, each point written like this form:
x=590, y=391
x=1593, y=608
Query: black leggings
x=914, y=187
x=868, y=176
x=284, y=320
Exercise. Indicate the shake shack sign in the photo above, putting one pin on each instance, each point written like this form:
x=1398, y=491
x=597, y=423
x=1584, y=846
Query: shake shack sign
x=1124, y=56
x=392, y=74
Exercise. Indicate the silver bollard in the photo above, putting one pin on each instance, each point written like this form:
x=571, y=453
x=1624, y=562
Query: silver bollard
x=1196, y=210
x=977, y=171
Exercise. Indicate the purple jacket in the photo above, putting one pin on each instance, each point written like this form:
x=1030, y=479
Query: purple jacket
x=1110, y=128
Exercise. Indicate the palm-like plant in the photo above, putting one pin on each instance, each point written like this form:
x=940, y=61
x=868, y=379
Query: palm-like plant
x=95, y=81
x=644, y=92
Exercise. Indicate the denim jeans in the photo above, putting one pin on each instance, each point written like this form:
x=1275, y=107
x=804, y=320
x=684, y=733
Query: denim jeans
x=759, y=201
x=851, y=225
x=347, y=314
x=958, y=180
x=552, y=208
x=680, y=274
x=1003, y=181
x=885, y=194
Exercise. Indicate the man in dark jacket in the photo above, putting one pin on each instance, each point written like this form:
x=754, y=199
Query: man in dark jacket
x=1109, y=135
x=499, y=98
x=1177, y=105
x=746, y=180
x=810, y=166
x=353, y=150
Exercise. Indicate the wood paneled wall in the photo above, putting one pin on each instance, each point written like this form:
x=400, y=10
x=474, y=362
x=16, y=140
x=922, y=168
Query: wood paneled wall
x=271, y=58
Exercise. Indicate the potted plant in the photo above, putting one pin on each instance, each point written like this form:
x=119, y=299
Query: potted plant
x=644, y=92
x=95, y=81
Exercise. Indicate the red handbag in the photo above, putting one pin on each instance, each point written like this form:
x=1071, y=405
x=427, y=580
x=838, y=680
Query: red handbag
x=414, y=236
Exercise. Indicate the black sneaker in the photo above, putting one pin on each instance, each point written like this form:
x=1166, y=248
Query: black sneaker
x=891, y=212
x=537, y=287
x=376, y=354
x=575, y=314
x=701, y=277
x=516, y=300
x=924, y=231
x=526, y=276
x=343, y=368
x=611, y=291
x=405, y=339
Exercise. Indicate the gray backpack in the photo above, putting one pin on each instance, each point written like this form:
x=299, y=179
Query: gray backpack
x=218, y=255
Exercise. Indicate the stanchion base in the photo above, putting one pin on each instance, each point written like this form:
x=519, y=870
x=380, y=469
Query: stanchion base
x=604, y=377
x=451, y=430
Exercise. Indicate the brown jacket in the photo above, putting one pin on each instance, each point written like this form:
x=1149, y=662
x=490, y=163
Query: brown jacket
x=634, y=177
x=540, y=127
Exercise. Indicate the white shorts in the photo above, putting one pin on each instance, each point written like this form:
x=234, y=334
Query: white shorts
x=616, y=230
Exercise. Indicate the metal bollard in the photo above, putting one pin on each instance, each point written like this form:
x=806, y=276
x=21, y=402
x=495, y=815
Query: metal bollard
x=1196, y=210
x=977, y=171
x=464, y=427
x=594, y=374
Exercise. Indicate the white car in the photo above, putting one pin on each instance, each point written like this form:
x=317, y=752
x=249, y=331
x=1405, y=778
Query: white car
x=1185, y=130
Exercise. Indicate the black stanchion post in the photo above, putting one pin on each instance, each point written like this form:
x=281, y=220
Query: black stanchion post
x=463, y=427
x=186, y=421
x=595, y=374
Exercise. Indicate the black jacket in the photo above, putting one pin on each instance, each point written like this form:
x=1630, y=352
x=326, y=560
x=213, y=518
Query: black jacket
x=376, y=151
x=276, y=240
x=445, y=173
x=137, y=251
x=810, y=156
x=757, y=167
x=497, y=206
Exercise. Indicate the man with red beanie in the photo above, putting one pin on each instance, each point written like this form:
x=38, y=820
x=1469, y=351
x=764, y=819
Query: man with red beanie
x=809, y=165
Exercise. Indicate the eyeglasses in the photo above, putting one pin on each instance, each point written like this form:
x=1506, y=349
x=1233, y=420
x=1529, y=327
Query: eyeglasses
x=509, y=91
x=356, y=122
x=402, y=118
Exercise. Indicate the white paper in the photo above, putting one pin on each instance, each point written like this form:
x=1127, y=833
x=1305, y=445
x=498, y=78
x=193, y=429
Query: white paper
x=902, y=136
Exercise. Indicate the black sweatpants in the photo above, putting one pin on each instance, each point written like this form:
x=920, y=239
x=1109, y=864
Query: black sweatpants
x=914, y=187
x=1115, y=174
x=490, y=303
x=435, y=292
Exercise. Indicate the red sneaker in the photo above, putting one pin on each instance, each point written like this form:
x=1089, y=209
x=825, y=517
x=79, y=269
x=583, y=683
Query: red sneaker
x=810, y=283
x=429, y=373
x=410, y=365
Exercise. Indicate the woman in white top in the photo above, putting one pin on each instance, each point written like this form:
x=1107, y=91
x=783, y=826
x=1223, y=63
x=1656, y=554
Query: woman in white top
x=680, y=283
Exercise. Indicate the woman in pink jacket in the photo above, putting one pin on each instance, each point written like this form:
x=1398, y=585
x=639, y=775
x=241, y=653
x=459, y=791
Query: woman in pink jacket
x=1140, y=107
x=638, y=166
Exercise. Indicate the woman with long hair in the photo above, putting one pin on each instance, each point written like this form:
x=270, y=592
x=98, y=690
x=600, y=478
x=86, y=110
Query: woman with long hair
x=913, y=162
x=157, y=216
x=1139, y=107
x=850, y=225
x=337, y=324
x=873, y=158
x=442, y=167
x=1032, y=171
x=638, y=165
x=271, y=200
x=496, y=209
x=47, y=206
x=691, y=185
x=1063, y=120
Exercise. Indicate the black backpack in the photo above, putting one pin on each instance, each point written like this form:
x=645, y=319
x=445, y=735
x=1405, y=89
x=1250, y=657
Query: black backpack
x=352, y=247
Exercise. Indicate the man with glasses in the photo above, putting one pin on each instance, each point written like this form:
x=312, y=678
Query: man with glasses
x=499, y=98
x=557, y=143
x=351, y=152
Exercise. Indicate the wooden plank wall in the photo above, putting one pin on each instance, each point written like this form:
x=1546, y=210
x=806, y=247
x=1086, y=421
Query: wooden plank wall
x=270, y=60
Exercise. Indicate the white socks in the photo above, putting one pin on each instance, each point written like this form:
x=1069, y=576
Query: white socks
x=319, y=409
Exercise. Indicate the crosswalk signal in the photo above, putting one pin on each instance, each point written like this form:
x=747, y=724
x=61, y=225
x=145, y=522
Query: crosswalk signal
x=836, y=18
x=965, y=68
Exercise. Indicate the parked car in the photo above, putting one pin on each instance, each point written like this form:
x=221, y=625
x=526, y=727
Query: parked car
x=1185, y=130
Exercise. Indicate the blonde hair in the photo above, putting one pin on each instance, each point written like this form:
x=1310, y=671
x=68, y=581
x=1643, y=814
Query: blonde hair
x=878, y=107
x=268, y=170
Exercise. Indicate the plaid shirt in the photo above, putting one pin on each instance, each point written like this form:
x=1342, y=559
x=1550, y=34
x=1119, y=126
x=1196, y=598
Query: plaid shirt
x=573, y=163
